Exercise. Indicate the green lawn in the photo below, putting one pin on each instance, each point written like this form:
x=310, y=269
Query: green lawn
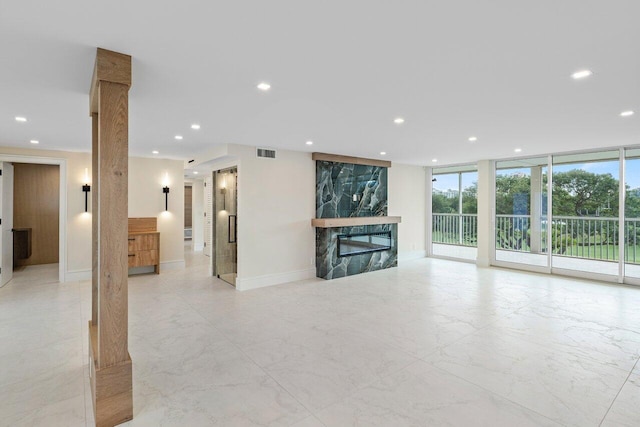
x=596, y=252
x=604, y=252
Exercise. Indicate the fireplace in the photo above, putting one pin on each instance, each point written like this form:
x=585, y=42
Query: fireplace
x=355, y=244
x=354, y=233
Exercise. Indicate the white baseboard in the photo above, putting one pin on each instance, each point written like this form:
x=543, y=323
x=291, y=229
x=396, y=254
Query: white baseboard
x=77, y=276
x=172, y=265
x=80, y=275
x=274, y=279
x=411, y=255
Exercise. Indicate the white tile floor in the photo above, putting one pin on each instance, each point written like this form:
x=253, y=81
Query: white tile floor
x=431, y=342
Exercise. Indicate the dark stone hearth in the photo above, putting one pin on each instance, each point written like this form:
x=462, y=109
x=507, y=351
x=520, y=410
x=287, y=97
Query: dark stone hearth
x=346, y=190
x=330, y=266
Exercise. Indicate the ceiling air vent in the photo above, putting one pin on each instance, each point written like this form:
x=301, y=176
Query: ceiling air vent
x=265, y=152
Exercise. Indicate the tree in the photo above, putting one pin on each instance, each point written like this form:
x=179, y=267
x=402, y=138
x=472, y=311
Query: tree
x=632, y=203
x=582, y=193
x=513, y=194
x=470, y=199
x=442, y=204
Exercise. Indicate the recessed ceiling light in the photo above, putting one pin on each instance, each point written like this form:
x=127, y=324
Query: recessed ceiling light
x=627, y=113
x=195, y=172
x=195, y=126
x=33, y=141
x=264, y=86
x=398, y=120
x=309, y=142
x=434, y=160
x=155, y=152
x=517, y=150
x=21, y=119
x=581, y=74
x=178, y=137
x=383, y=153
x=473, y=139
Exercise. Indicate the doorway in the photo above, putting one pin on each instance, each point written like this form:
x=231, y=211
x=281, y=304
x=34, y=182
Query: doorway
x=30, y=211
x=188, y=213
x=225, y=224
x=62, y=194
x=36, y=207
x=6, y=223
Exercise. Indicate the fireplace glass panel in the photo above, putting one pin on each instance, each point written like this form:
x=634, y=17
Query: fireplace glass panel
x=354, y=244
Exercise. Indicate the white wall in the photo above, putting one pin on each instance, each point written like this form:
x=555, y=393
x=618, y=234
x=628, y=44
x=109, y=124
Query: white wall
x=145, y=199
x=276, y=202
x=197, y=219
x=407, y=198
x=78, y=222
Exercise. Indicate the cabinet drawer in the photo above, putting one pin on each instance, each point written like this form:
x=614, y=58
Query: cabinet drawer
x=132, y=260
x=142, y=242
x=141, y=258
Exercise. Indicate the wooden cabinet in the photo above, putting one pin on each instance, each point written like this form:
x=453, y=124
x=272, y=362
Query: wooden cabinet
x=144, y=249
x=144, y=243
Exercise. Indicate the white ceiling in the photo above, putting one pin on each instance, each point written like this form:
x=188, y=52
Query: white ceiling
x=340, y=71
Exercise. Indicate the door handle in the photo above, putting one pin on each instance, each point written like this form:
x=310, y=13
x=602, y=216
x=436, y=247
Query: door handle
x=233, y=234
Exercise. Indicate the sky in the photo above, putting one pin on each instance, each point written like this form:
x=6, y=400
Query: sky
x=450, y=181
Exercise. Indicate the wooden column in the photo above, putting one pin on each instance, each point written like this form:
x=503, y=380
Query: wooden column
x=94, y=220
x=110, y=363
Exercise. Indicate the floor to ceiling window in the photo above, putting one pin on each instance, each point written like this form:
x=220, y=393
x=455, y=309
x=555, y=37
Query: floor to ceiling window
x=585, y=227
x=455, y=212
x=521, y=211
x=568, y=213
x=632, y=214
x=591, y=230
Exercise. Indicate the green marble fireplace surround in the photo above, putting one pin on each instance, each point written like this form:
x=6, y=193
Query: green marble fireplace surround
x=353, y=232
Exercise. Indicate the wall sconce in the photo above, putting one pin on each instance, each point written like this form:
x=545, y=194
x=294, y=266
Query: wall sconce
x=165, y=190
x=86, y=188
x=223, y=191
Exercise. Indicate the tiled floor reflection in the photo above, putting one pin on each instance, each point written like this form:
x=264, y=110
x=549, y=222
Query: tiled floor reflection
x=431, y=342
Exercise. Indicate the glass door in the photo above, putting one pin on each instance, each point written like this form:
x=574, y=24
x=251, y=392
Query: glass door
x=521, y=212
x=586, y=223
x=226, y=225
x=454, y=207
x=632, y=215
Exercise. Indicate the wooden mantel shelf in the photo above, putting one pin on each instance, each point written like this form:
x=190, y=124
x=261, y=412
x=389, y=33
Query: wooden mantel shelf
x=354, y=221
x=348, y=159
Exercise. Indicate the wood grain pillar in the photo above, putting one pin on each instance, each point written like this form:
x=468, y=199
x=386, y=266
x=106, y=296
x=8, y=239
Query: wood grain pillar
x=110, y=363
x=95, y=220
